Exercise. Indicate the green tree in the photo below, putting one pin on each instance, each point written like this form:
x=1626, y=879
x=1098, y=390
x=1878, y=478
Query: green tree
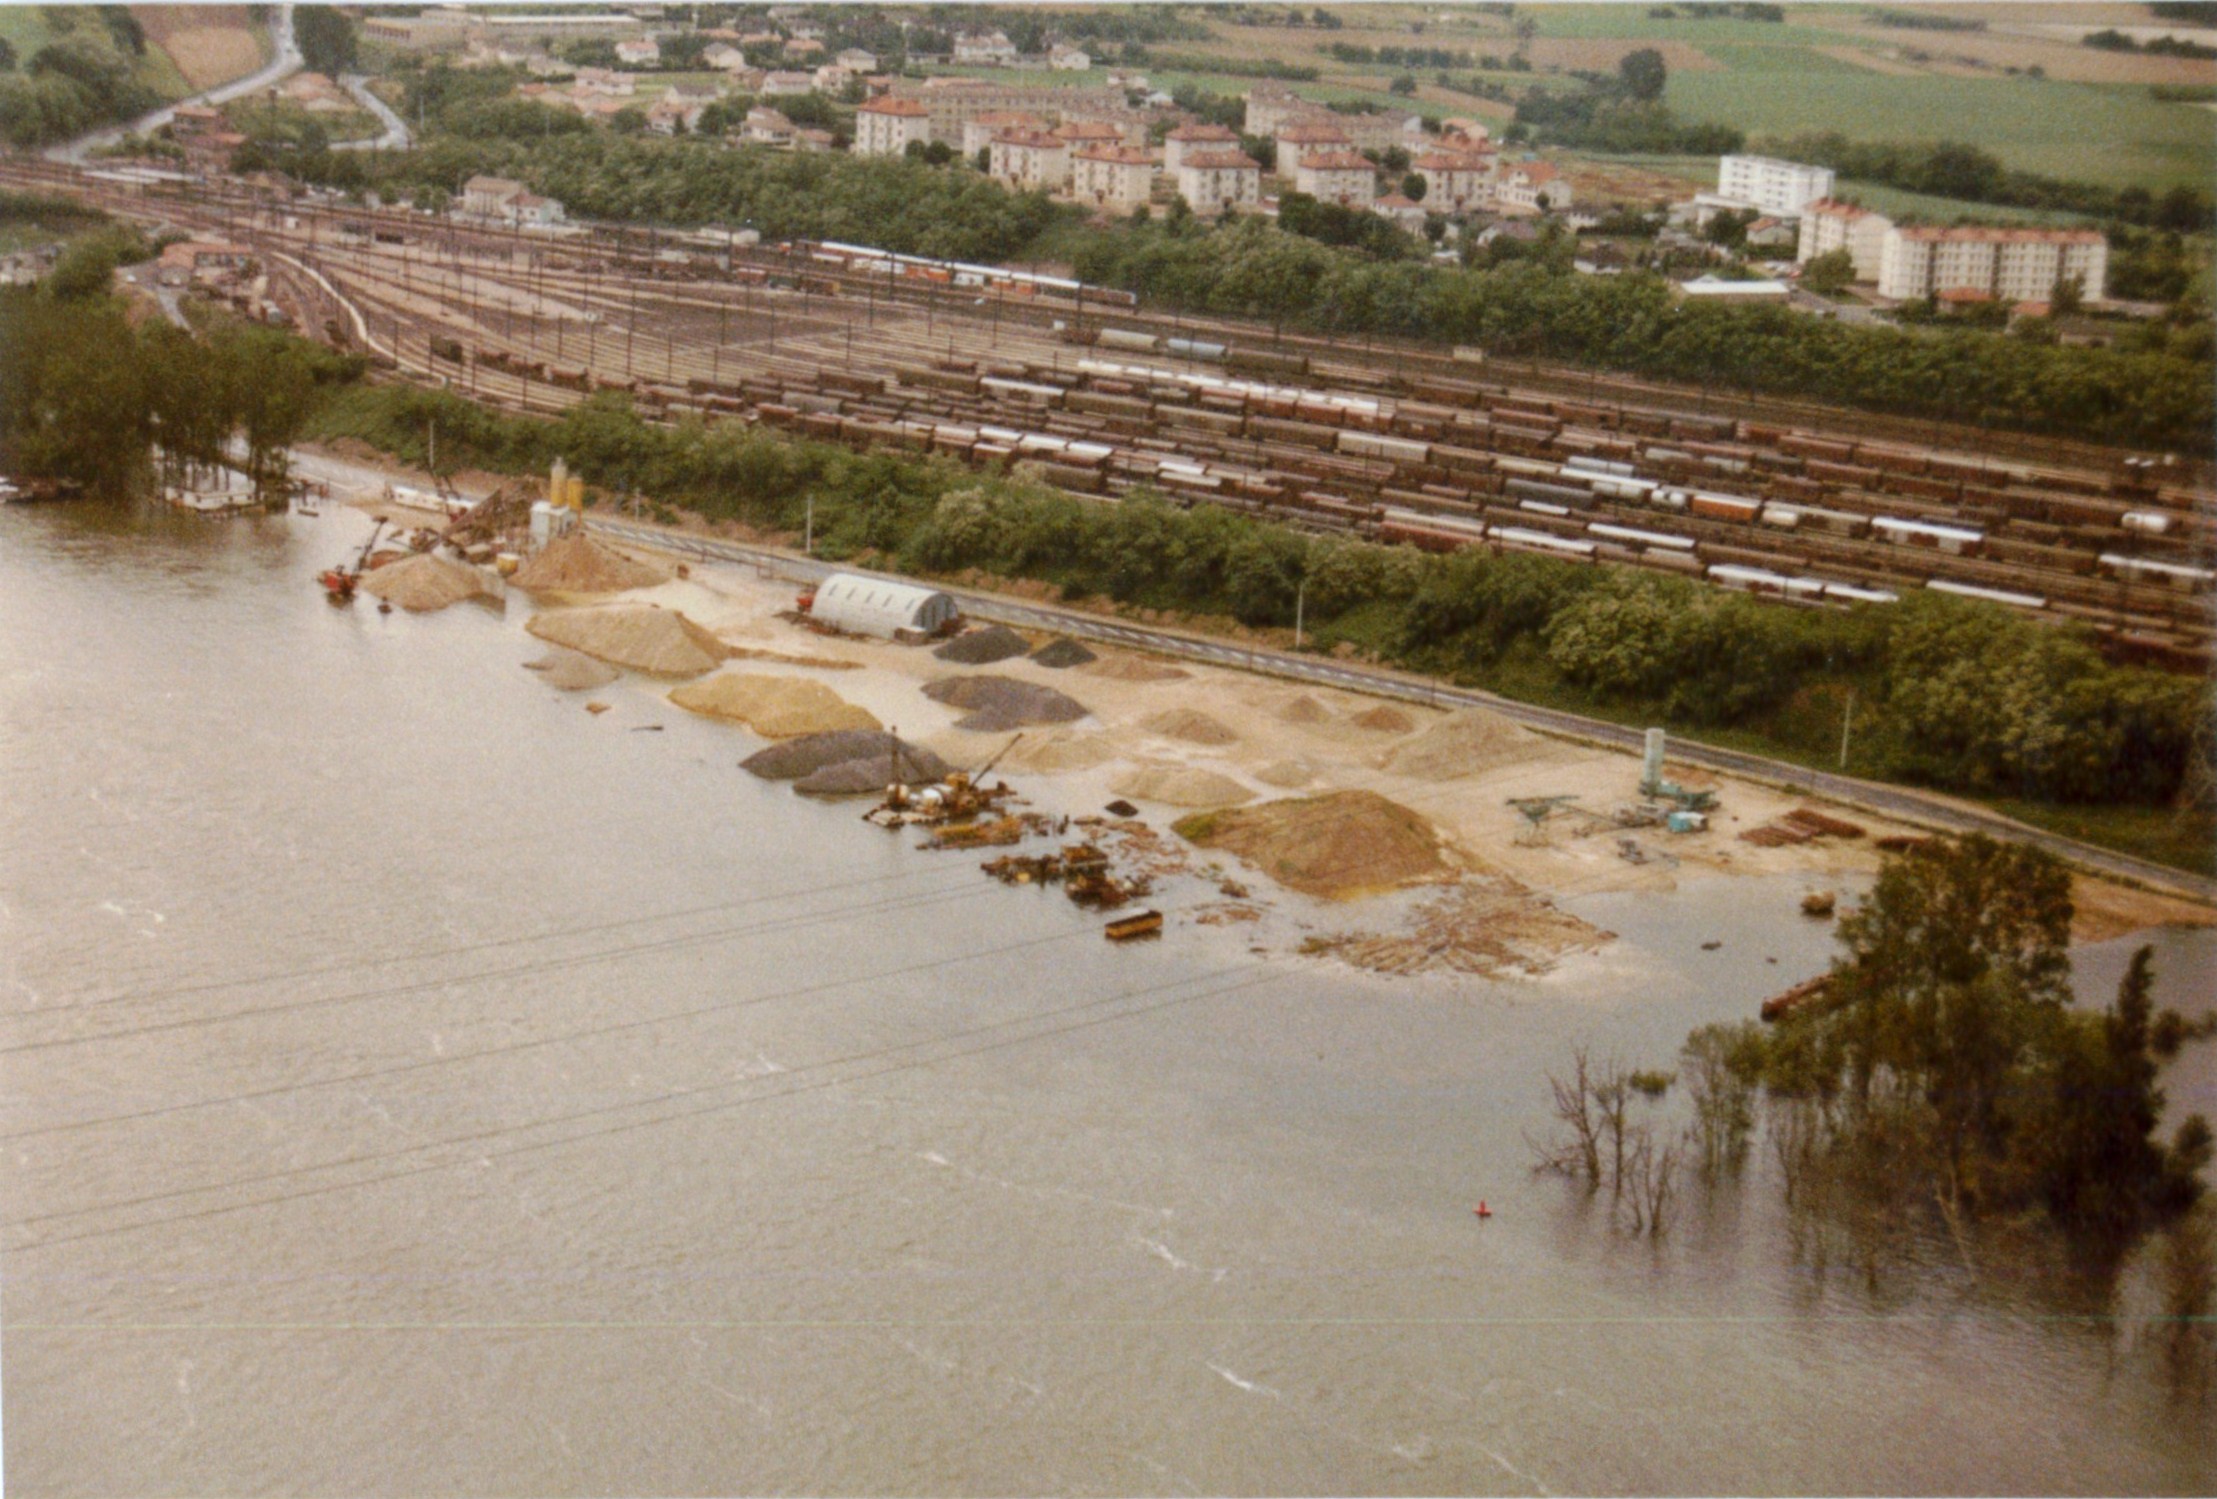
x=326, y=38
x=1829, y=273
x=1643, y=74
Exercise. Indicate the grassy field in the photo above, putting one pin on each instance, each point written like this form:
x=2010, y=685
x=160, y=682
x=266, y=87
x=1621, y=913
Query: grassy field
x=2084, y=132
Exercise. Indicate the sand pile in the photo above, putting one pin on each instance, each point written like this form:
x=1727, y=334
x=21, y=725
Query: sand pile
x=983, y=647
x=1136, y=669
x=1061, y=751
x=639, y=636
x=1063, y=652
x=1463, y=744
x=796, y=759
x=1189, y=725
x=1383, y=719
x=427, y=582
x=1291, y=774
x=570, y=672
x=1304, y=710
x=774, y=707
x=997, y=704
x=1339, y=845
x=1181, y=786
x=578, y=564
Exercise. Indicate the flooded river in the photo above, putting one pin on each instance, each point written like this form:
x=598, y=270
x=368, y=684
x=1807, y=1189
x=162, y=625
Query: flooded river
x=415, y=1085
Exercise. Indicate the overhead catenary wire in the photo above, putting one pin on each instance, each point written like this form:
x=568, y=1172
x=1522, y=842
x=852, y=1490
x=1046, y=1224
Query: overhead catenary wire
x=539, y=1042
x=1251, y=982
x=416, y=955
x=937, y=895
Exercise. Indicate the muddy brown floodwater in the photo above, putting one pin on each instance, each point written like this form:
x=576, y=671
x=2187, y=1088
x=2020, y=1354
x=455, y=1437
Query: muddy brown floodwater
x=413, y=1083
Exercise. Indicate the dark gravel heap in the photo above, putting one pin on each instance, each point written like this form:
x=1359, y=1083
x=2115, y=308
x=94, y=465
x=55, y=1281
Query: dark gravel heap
x=1061, y=652
x=797, y=759
x=983, y=647
x=998, y=704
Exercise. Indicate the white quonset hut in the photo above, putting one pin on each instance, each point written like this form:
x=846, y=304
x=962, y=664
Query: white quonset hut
x=873, y=606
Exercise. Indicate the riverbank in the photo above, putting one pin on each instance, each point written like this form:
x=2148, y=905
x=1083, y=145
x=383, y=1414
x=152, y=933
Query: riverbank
x=1179, y=737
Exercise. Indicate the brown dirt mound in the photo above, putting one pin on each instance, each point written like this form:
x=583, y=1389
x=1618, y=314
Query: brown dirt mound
x=1339, y=845
x=997, y=704
x=640, y=636
x=1189, y=725
x=1383, y=719
x=567, y=671
x=426, y=582
x=1463, y=744
x=579, y=564
x=1135, y=669
x=1181, y=786
x=1304, y=709
x=799, y=758
x=774, y=707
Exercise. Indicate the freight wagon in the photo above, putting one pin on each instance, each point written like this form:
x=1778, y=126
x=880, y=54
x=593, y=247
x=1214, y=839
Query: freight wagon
x=1991, y=595
x=1954, y=540
x=2170, y=574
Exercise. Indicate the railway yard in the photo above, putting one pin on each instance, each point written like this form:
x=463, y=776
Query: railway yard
x=1394, y=443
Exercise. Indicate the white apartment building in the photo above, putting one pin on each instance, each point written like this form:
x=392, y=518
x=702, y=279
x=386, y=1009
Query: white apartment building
x=1068, y=59
x=857, y=60
x=1523, y=187
x=1301, y=138
x=1212, y=181
x=1269, y=105
x=1029, y=161
x=1455, y=183
x=1116, y=178
x=2006, y=265
x=884, y=127
x=978, y=131
x=639, y=52
x=1779, y=187
x=1340, y=177
x=1187, y=138
x=786, y=85
x=1828, y=224
x=988, y=49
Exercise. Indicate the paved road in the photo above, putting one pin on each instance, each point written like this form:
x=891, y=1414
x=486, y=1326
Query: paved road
x=396, y=135
x=1919, y=808
x=284, y=62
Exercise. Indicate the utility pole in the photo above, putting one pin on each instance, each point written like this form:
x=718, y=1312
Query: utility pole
x=1847, y=719
x=808, y=532
x=1300, y=608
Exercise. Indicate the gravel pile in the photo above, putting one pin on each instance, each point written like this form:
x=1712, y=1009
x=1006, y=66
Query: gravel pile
x=1181, y=786
x=1190, y=725
x=640, y=636
x=426, y=582
x=998, y=704
x=1062, y=652
x=578, y=564
x=983, y=647
x=774, y=707
x=797, y=759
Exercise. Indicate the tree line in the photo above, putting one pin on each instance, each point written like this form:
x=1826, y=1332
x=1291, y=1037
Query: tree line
x=1951, y=169
x=1248, y=268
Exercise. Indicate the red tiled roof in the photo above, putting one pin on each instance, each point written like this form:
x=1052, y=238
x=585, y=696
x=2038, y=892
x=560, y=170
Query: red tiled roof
x=1225, y=159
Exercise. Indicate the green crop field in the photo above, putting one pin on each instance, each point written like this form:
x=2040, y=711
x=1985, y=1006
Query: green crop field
x=2082, y=131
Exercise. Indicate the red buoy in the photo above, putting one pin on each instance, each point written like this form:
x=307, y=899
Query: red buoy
x=1482, y=1210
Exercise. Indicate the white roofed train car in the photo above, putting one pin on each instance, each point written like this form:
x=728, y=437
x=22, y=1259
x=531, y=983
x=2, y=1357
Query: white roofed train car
x=862, y=605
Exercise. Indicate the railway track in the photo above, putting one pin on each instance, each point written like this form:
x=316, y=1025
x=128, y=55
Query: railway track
x=1418, y=448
